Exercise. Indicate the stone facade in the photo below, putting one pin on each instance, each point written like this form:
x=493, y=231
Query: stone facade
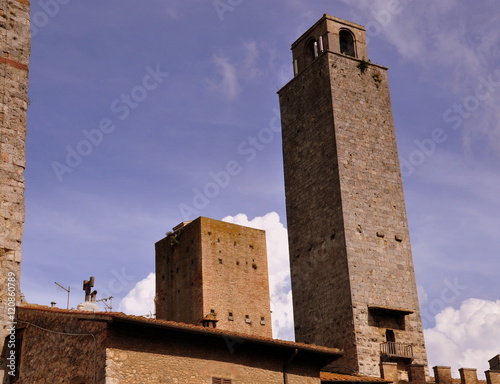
x=352, y=271
x=68, y=347
x=14, y=59
x=217, y=269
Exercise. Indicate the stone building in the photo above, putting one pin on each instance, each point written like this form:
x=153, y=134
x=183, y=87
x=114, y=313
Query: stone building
x=72, y=347
x=352, y=271
x=213, y=270
x=14, y=58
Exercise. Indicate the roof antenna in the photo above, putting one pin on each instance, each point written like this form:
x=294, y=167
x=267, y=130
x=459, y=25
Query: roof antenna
x=67, y=290
x=109, y=307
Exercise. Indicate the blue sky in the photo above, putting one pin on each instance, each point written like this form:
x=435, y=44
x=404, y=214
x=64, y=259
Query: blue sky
x=139, y=109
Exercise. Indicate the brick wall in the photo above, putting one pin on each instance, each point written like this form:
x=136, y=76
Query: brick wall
x=210, y=265
x=14, y=58
x=179, y=294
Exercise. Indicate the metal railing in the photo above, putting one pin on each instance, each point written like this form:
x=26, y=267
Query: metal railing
x=396, y=349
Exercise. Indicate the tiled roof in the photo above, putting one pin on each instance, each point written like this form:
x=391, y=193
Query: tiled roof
x=338, y=377
x=141, y=320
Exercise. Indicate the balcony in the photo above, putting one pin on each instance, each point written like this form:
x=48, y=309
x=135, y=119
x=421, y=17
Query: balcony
x=398, y=350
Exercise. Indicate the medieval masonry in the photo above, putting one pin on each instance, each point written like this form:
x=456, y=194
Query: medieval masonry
x=354, y=294
x=216, y=271
x=14, y=58
x=352, y=272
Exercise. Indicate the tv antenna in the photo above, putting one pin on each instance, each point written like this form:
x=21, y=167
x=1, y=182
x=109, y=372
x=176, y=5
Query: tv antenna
x=109, y=307
x=67, y=290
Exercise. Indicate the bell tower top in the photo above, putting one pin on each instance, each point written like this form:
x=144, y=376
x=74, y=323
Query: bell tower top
x=329, y=34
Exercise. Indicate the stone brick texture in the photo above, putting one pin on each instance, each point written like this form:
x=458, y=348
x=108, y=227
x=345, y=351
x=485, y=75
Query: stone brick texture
x=417, y=374
x=348, y=232
x=60, y=349
x=492, y=377
x=210, y=265
x=468, y=375
x=14, y=59
x=186, y=359
x=66, y=347
x=442, y=374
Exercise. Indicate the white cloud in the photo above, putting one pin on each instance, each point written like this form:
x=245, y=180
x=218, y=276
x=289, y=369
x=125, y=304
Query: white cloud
x=227, y=84
x=466, y=337
x=140, y=300
x=249, y=65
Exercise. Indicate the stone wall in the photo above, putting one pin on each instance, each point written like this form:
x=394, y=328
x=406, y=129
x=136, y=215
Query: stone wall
x=318, y=260
x=69, y=347
x=158, y=357
x=14, y=59
x=60, y=349
x=376, y=229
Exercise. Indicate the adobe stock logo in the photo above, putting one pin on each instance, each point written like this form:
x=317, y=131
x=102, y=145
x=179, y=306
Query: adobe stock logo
x=122, y=107
x=224, y=6
x=455, y=116
x=248, y=150
x=48, y=10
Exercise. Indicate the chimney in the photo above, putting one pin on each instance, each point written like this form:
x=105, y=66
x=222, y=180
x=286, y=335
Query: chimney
x=493, y=374
x=442, y=374
x=209, y=321
x=417, y=374
x=389, y=371
x=468, y=375
x=495, y=363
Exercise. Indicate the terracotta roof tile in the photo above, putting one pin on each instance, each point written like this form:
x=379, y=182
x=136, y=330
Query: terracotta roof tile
x=120, y=316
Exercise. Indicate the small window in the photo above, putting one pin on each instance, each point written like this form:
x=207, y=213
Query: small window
x=262, y=321
x=311, y=51
x=347, y=43
x=230, y=316
x=216, y=380
x=247, y=319
x=389, y=336
x=312, y=48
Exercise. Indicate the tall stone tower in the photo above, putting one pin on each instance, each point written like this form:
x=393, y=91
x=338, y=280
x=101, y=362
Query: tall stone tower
x=214, y=271
x=14, y=58
x=352, y=272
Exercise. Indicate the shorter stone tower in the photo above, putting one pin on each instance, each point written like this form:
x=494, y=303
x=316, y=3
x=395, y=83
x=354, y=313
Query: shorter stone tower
x=214, y=272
